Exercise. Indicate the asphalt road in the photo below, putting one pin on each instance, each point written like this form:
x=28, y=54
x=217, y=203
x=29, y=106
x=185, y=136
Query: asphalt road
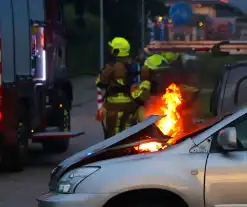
x=21, y=189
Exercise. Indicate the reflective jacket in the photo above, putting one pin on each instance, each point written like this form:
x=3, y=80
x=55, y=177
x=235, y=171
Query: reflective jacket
x=116, y=79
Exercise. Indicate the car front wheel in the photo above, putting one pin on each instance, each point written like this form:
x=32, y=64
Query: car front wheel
x=146, y=203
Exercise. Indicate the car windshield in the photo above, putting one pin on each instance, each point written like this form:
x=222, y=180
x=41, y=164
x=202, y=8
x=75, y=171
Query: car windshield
x=202, y=127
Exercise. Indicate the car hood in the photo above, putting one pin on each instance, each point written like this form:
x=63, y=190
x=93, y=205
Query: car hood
x=169, y=152
x=97, y=148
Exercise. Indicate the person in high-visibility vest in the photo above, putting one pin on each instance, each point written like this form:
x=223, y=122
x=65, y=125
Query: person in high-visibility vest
x=147, y=87
x=119, y=107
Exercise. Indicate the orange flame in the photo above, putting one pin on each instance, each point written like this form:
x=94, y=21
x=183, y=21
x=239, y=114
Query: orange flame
x=150, y=147
x=171, y=124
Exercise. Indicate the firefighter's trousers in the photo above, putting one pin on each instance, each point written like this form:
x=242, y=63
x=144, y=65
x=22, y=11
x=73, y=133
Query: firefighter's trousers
x=119, y=117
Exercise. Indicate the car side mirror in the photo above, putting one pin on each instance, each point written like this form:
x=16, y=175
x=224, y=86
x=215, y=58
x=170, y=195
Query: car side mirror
x=227, y=138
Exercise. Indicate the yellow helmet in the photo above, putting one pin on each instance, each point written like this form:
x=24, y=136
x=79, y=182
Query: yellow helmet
x=170, y=56
x=120, y=47
x=154, y=62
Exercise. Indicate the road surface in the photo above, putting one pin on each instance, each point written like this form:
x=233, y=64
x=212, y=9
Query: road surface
x=21, y=189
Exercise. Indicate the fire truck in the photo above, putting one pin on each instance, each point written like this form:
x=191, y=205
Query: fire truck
x=35, y=92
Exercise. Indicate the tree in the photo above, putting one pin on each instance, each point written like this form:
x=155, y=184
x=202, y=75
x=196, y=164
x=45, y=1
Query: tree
x=123, y=17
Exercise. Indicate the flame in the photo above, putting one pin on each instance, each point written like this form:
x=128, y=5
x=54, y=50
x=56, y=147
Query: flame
x=150, y=147
x=171, y=124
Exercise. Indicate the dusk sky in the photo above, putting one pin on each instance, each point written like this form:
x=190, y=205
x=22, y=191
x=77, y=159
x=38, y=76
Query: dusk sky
x=240, y=3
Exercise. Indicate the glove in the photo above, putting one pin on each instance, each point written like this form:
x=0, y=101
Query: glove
x=101, y=113
x=135, y=92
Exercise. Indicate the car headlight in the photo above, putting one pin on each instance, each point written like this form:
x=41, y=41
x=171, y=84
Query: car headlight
x=71, y=179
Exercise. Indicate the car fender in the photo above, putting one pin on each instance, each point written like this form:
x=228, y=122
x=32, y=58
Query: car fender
x=150, y=172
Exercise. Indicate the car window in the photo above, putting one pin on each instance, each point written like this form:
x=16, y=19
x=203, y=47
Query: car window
x=241, y=129
x=241, y=92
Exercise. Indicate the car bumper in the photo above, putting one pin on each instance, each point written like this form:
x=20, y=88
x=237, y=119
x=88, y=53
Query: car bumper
x=72, y=200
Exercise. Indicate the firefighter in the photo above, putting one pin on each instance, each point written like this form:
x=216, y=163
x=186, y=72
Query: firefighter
x=119, y=107
x=142, y=92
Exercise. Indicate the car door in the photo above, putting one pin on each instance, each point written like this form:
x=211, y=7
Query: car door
x=226, y=173
x=229, y=92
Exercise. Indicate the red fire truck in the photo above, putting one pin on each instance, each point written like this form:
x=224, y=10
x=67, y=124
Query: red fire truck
x=35, y=92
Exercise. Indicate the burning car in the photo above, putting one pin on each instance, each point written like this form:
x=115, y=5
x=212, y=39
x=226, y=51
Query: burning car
x=143, y=167
x=158, y=163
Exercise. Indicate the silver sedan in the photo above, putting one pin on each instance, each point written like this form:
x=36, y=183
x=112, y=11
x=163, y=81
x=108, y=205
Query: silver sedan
x=207, y=167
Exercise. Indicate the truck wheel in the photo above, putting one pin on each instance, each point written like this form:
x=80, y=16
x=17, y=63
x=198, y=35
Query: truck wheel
x=14, y=158
x=66, y=120
x=56, y=146
x=59, y=145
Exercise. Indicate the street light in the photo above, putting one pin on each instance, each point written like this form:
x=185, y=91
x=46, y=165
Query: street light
x=160, y=19
x=101, y=33
x=200, y=24
x=143, y=25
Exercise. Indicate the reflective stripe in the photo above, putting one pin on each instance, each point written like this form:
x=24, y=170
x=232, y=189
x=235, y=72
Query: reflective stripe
x=128, y=124
x=145, y=84
x=118, y=122
x=189, y=88
x=119, y=44
x=120, y=81
x=119, y=98
x=98, y=79
x=161, y=67
x=193, y=89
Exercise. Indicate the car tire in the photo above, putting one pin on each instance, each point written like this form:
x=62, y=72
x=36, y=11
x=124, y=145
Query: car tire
x=59, y=146
x=165, y=203
x=144, y=204
x=14, y=158
x=147, y=200
x=56, y=146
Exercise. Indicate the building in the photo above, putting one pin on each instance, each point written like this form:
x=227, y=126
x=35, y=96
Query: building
x=212, y=8
x=213, y=20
